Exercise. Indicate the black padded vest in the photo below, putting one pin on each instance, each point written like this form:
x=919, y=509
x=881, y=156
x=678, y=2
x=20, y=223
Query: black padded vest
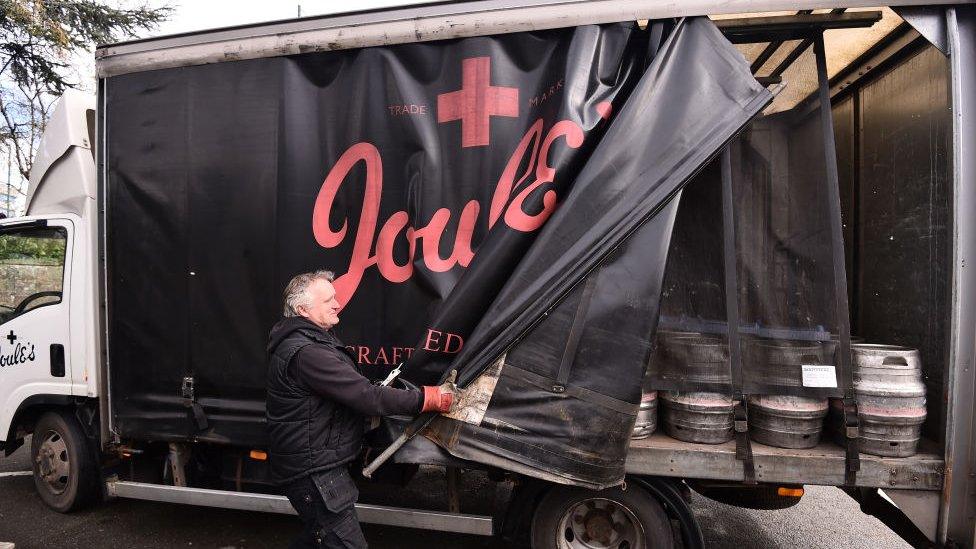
x=307, y=433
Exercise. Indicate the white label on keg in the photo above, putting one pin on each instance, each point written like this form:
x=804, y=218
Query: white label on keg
x=819, y=375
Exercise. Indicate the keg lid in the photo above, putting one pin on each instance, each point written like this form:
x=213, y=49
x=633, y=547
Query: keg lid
x=787, y=402
x=699, y=340
x=785, y=344
x=881, y=348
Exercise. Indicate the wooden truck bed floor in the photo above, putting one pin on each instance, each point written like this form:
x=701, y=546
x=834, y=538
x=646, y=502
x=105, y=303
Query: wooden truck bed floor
x=662, y=455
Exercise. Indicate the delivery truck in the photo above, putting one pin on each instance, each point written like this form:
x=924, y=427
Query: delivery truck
x=721, y=247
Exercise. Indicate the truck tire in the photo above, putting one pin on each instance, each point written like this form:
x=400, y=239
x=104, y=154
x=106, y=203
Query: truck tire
x=65, y=472
x=575, y=518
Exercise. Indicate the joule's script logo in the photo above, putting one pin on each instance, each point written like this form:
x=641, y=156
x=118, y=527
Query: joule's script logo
x=17, y=353
x=473, y=105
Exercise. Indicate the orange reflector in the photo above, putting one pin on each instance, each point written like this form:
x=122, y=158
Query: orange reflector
x=262, y=456
x=789, y=492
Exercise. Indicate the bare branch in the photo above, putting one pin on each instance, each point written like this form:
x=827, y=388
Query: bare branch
x=16, y=140
x=37, y=37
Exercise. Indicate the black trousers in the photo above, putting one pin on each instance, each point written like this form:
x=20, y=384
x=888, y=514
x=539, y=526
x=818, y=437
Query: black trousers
x=325, y=502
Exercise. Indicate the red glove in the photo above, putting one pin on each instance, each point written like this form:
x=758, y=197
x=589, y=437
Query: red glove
x=440, y=398
x=437, y=401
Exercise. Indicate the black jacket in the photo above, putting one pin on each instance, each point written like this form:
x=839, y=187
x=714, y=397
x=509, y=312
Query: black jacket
x=317, y=399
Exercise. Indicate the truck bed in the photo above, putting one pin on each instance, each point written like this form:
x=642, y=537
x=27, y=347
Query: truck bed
x=662, y=455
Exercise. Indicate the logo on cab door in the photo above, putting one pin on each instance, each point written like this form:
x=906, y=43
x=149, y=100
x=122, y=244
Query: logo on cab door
x=17, y=352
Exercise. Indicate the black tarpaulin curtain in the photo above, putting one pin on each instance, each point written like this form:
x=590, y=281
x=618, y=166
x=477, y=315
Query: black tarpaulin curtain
x=786, y=305
x=694, y=97
x=460, y=190
x=691, y=100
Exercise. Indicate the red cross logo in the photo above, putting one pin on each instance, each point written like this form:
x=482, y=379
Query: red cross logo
x=476, y=102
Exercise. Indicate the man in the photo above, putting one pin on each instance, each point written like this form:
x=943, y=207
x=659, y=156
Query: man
x=317, y=400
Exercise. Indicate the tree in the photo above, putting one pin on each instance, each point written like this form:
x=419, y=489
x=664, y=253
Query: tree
x=37, y=41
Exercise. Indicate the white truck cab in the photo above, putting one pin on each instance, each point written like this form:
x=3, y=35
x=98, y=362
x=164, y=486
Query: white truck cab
x=48, y=317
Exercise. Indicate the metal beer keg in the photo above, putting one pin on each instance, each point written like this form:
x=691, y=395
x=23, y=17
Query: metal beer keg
x=786, y=421
x=890, y=398
x=830, y=347
x=646, y=415
x=700, y=417
x=694, y=358
x=779, y=362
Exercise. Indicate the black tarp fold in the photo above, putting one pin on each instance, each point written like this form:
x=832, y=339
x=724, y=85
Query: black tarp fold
x=695, y=95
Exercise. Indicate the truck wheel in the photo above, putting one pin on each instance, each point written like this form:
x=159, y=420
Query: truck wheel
x=574, y=518
x=65, y=474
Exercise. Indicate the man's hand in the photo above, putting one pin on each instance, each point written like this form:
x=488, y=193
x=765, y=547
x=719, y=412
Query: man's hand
x=440, y=398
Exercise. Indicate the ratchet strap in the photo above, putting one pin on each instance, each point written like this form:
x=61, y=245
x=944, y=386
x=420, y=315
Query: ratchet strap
x=743, y=446
x=740, y=410
x=852, y=462
x=189, y=400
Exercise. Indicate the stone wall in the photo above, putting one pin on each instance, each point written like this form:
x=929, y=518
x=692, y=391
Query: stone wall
x=18, y=280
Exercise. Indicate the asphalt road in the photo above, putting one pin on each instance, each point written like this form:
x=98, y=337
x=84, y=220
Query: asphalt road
x=824, y=518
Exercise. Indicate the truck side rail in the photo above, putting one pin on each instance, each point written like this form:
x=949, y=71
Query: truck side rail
x=372, y=514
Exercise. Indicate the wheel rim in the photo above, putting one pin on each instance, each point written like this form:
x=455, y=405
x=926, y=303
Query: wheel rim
x=599, y=523
x=52, y=463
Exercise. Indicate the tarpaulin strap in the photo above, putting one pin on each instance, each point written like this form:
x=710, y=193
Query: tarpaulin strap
x=189, y=400
x=199, y=417
x=743, y=447
x=851, y=422
x=575, y=334
x=852, y=460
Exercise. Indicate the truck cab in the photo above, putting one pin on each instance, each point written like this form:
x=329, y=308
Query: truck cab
x=48, y=355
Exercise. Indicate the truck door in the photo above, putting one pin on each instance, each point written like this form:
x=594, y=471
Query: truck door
x=35, y=265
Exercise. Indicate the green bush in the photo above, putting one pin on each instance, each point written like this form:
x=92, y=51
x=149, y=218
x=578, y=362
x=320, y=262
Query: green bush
x=40, y=250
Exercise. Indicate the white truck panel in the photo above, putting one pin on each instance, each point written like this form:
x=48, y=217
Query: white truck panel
x=63, y=183
x=25, y=351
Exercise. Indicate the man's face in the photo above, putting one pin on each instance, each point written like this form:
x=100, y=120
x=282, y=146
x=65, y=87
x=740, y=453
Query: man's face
x=323, y=307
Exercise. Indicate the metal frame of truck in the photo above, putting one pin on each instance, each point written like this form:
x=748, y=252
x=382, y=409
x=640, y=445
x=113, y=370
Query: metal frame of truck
x=935, y=494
